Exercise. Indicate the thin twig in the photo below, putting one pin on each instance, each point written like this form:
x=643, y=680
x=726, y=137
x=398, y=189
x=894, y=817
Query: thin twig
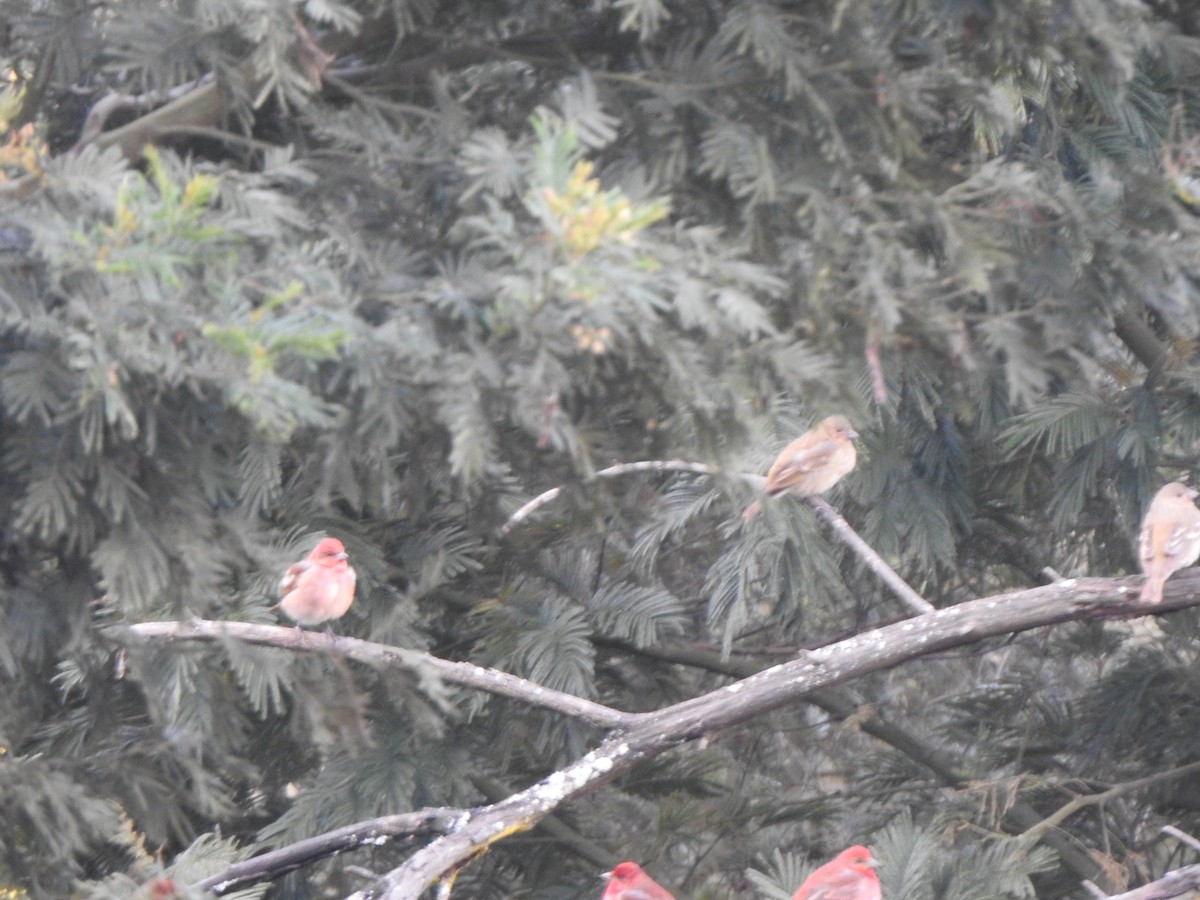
x=1175, y=885
x=886, y=573
x=849, y=536
x=1181, y=836
x=1069, y=809
x=649, y=465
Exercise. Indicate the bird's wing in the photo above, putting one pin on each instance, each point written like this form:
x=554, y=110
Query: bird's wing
x=292, y=576
x=1146, y=544
x=1182, y=540
x=801, y=463
x=638, y=893
x=836, y=886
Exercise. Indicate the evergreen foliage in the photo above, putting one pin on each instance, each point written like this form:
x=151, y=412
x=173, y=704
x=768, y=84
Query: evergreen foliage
x=430, y=260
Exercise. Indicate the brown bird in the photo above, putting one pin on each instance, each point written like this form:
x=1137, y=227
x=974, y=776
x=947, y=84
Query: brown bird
x=1170, y=538
x=812, y=463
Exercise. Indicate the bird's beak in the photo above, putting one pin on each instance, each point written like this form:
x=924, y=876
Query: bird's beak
x=1193, y=493
x=852, y=434
x=341, y=555
x=872, y=862
x=607, y=876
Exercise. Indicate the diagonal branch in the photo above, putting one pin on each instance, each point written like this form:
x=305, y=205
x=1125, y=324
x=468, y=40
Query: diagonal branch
x=841, y=527
x=946, y=765
x=638, y=736
x=656, y=732
x=273, y=864
x=875, y=563
x=1073, y=806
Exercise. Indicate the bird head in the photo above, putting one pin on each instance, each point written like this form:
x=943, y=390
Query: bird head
x=1179, y=491
x=624, y=872
x=839, y=426
x=859, y=857
x=329, y=552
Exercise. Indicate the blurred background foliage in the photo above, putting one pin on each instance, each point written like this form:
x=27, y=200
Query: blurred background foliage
x=430, y=259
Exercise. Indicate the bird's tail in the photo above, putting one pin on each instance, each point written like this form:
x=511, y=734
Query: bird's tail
x=752, y=510
x=1152, y=589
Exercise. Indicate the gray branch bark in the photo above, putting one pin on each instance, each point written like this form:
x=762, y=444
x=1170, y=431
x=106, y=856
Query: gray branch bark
x=634, y=737
x=656, y=732
x=423, y=665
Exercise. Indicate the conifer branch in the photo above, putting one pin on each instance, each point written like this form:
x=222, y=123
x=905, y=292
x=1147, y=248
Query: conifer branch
x=1141, y=341
x=200, y=104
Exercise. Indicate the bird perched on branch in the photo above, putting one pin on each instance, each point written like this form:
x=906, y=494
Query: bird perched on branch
x=849, y=876
x=1170, y=538
x=628, y=882
x=812, y=463
x=319, y=588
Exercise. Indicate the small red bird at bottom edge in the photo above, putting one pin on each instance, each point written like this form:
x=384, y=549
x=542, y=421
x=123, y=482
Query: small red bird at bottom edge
x=629, y=882
x=849, y=876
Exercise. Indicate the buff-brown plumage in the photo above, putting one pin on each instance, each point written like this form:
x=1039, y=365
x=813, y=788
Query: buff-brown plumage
x=1170, y=537
x=812, y=463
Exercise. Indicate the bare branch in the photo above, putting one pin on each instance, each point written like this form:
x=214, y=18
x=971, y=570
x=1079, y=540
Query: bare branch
x=373, y=832
x=1181, y=836
x=1068, y=809
x=650, y=465
x=841, y=527
x=199, y=104
x=1177, y=884
x=555, y=827
x=945, y=764
x=464, y=674
x=886, y=573
x=638, y=736
x=655, y=732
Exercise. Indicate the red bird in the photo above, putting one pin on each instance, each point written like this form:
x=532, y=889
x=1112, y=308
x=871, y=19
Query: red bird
x=850, y=876
x=628, y=882
x=812, y=463
x=319, y=588
x=1170, y=538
